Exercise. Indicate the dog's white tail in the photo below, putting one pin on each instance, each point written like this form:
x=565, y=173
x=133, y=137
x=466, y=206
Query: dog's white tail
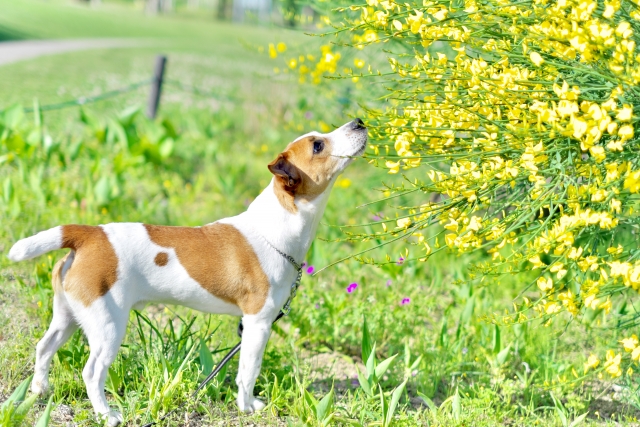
x=39, y=244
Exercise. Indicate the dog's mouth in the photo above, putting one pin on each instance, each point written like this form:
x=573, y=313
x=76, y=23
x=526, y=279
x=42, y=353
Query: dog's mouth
x=360, y=150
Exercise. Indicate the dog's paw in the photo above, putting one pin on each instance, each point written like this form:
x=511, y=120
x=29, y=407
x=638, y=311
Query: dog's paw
x=40, y=387
x=113, y=418
x=252, y=405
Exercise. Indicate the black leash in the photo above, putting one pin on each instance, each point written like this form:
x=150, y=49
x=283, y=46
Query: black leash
x=283, y=312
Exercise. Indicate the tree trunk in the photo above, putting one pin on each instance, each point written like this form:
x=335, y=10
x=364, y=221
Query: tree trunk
x=152, y=7
x=223, y=5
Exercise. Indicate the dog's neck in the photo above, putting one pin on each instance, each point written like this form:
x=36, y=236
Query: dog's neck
x=292, y=233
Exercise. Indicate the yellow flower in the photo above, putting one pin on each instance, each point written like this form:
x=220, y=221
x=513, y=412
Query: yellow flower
x=606, y=306
x=452, y=226
x=616, y=205
x=359, y=63
x=394, y=167
x=625, y=113
x=612, y=364
x=625, y=132
x=272, y=51
x=441, y=14
x=344, y=183
x=632, y=182
x=630, y=343
x=281, y=47
x=598, y=153
x=536, y=262
x=591, y=363
x=536, y=58
x=545, y=284
x=403, y=222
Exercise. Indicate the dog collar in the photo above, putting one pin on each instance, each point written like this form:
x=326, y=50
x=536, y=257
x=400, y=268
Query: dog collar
x=296, y=284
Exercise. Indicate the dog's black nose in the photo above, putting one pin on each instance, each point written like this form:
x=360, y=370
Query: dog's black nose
x=357, y=124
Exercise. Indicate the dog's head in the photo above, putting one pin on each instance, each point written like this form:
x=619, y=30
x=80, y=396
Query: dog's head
x=310, y=164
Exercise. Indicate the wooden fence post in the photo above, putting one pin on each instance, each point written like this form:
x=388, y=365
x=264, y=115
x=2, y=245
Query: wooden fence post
x=156, y=86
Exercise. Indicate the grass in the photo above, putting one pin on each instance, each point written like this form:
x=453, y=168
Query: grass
x=204, y=159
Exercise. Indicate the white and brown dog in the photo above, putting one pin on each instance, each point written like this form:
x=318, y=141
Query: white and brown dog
x=226, y=267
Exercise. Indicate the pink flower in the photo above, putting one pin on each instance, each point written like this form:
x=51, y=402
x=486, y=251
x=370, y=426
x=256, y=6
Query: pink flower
x=405, y=301
x=310, y=269
x=400, y=261
x=352, y=287
x=389, y=283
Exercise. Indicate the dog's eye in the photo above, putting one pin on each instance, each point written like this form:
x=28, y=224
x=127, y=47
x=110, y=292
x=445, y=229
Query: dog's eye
x=318, y=146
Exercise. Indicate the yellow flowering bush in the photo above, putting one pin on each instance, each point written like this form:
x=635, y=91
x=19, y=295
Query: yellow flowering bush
x=512, y=126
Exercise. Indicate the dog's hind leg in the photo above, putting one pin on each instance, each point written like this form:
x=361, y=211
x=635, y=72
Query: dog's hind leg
x=105, y=325
x=62, y=327
x=254, y=340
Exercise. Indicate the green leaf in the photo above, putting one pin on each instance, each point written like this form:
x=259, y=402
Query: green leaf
x=416, y=363
x=206, y=359
x=395, y=398
x=366, y=341
x=312, y=402
x=127, y=115
x=456, y=406
x=383, y=404
x=19, y=393
x=166, y=148
x=7, y=193
x=496, y=344
x=43, y=421
x=23, y=409
x=13, y=116
x=578, y=420
x=443, y=331
x=324, y=408
x=432, y=406
x=465, y=317
x=407, y=354
x=102, y=191
x=560, y=410
x=364, y=383
x=113, y=381
x=116, y=129
x=502, y=356
x=383, y=366
x=371, y=362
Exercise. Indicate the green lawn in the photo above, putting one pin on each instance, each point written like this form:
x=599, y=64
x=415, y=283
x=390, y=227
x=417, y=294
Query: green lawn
x=471, y=372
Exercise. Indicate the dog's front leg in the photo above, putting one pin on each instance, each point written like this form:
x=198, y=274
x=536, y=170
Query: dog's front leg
x=254, y=340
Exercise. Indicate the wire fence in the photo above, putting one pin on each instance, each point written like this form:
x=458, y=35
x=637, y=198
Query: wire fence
x=83, y=100
x=156, y=83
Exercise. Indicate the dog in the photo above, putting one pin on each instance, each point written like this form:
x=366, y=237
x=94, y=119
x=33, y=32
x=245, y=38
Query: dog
x=234, y=266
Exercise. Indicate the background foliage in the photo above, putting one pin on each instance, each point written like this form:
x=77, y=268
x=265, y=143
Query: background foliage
x=513, y=126
x=204, y=159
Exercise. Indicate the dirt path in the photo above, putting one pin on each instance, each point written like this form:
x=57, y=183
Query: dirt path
x=27, y=49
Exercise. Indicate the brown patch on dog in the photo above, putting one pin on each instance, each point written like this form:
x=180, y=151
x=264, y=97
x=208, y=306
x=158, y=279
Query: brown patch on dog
x=95, y=265
x=220, y=259
x=287, y=181
x=161, y=259
x=56, y=274
x=301, y=173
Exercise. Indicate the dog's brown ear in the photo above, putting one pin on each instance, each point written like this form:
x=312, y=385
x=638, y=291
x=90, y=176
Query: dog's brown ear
x=283, y=168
